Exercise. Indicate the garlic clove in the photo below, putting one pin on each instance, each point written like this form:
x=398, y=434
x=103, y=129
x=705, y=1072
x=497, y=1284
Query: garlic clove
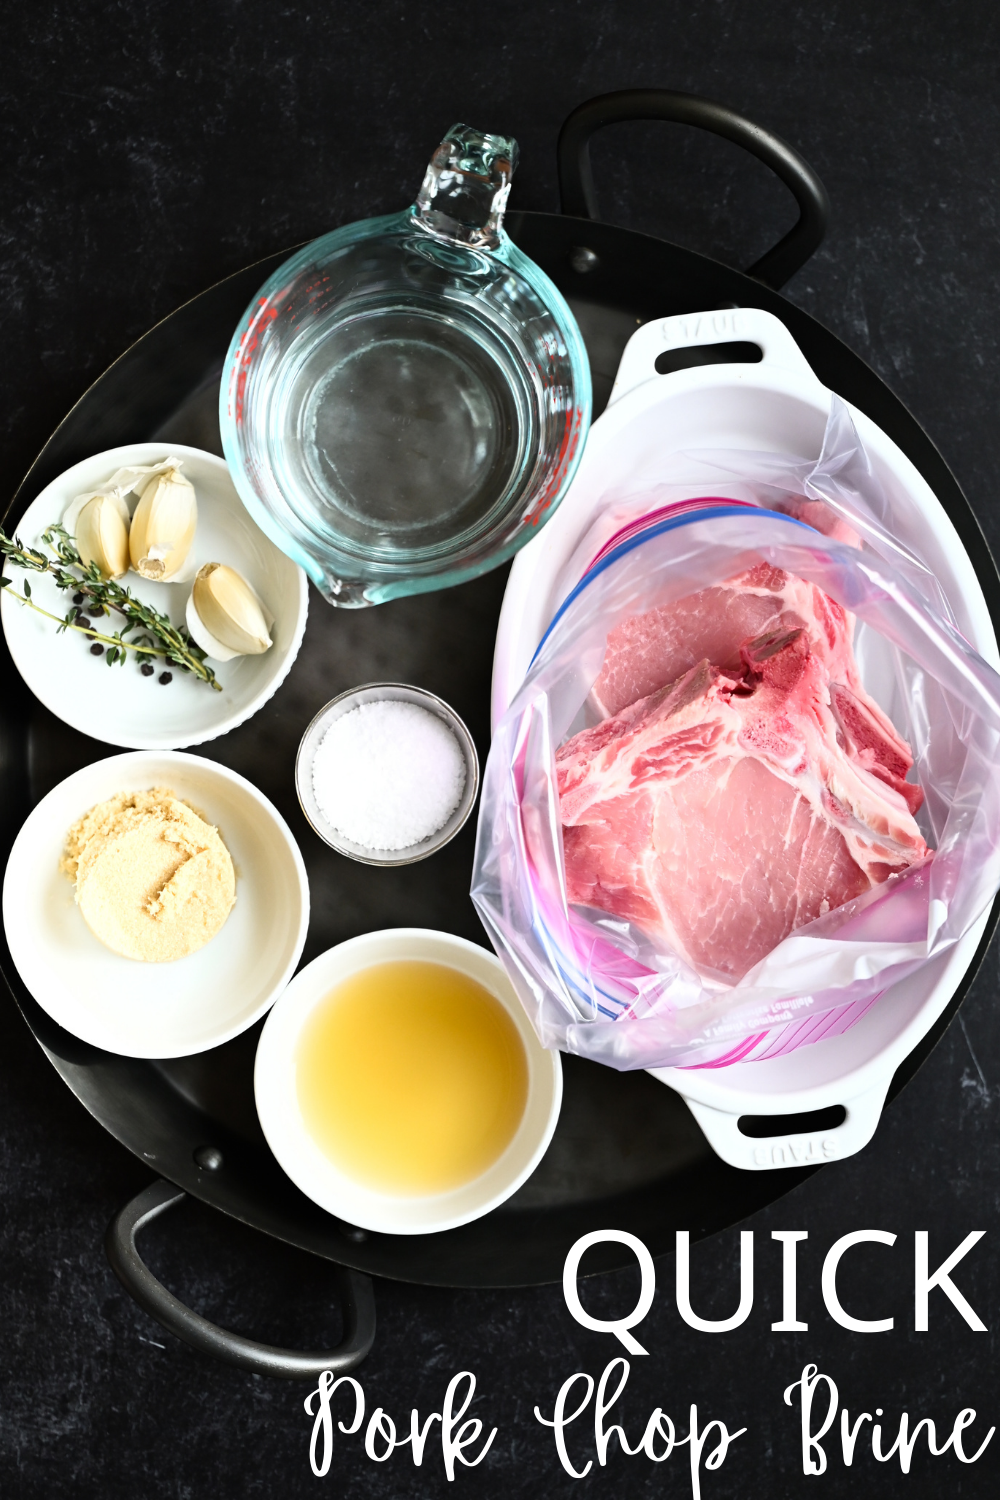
x=225, y=616
x=72, y=512
x=101, y=535
x=163, y=526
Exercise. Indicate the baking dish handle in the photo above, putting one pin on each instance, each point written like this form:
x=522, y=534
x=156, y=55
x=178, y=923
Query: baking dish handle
x=743, y=338
x=791, y=1148
x=357, y=1300
x=576, y=181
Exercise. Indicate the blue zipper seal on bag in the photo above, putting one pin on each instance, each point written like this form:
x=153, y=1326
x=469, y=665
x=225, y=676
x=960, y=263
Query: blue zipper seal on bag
x=711, y=513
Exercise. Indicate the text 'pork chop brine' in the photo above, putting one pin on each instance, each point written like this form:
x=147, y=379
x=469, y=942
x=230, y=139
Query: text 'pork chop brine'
x=752, y=787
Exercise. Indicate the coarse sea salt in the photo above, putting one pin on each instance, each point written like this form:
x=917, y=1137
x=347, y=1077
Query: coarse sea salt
x=388, y=775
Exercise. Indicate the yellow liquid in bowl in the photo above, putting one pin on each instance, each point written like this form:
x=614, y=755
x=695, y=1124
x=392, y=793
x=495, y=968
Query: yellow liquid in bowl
x=411, y=1077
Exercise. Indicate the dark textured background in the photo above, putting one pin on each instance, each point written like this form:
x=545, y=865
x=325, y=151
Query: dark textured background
x=151, y=148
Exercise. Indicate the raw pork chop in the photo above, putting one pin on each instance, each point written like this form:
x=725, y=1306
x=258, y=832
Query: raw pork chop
x=726, y=810
x=647, y=651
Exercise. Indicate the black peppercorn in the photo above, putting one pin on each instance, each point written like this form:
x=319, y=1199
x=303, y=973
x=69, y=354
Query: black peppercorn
x=97, y=649
x=165, y=677
x=77, y=598
x=147, y=669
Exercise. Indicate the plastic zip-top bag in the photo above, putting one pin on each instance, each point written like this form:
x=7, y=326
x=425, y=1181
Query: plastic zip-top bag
x=751, y=776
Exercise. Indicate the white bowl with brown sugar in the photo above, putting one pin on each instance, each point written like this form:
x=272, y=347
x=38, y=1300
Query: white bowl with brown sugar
x=95, y=909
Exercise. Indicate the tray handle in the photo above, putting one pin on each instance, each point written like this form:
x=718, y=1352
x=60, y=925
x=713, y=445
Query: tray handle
x=576, y=181
x=809, y=1148
x=358, y=1302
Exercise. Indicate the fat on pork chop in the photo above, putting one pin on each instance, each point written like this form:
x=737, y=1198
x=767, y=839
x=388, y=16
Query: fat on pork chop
x=750, y=795
x=647, y=651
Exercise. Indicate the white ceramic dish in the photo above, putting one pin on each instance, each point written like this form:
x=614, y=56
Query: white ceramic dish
x=117, y=704
x=158, y=1010
x=313, y=1171
x=777, y=405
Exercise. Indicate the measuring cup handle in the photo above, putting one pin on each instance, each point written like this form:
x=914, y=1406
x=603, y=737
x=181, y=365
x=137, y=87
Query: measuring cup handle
x=576, y=181
x=792, y=1147
x=357, y=1302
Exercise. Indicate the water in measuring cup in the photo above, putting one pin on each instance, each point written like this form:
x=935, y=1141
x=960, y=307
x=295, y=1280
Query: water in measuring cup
x=410, y=429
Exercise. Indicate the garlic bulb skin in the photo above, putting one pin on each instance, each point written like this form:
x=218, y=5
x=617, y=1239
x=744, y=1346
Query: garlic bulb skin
x=100, y=527
x=225, y=616
x=163, y=526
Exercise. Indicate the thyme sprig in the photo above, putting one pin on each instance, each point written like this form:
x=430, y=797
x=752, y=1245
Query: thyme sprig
x=156, y=635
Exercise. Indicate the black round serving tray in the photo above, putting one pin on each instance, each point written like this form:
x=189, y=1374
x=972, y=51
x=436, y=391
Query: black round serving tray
x=626, y=1152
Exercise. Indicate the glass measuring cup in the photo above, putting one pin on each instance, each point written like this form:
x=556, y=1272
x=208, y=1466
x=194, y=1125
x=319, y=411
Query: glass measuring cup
x=405, y=401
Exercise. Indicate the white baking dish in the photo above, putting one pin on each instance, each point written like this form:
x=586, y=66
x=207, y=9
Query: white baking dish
x=776, y=405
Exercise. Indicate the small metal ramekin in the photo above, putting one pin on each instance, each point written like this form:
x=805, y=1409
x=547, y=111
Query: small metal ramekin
x=384, y=692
